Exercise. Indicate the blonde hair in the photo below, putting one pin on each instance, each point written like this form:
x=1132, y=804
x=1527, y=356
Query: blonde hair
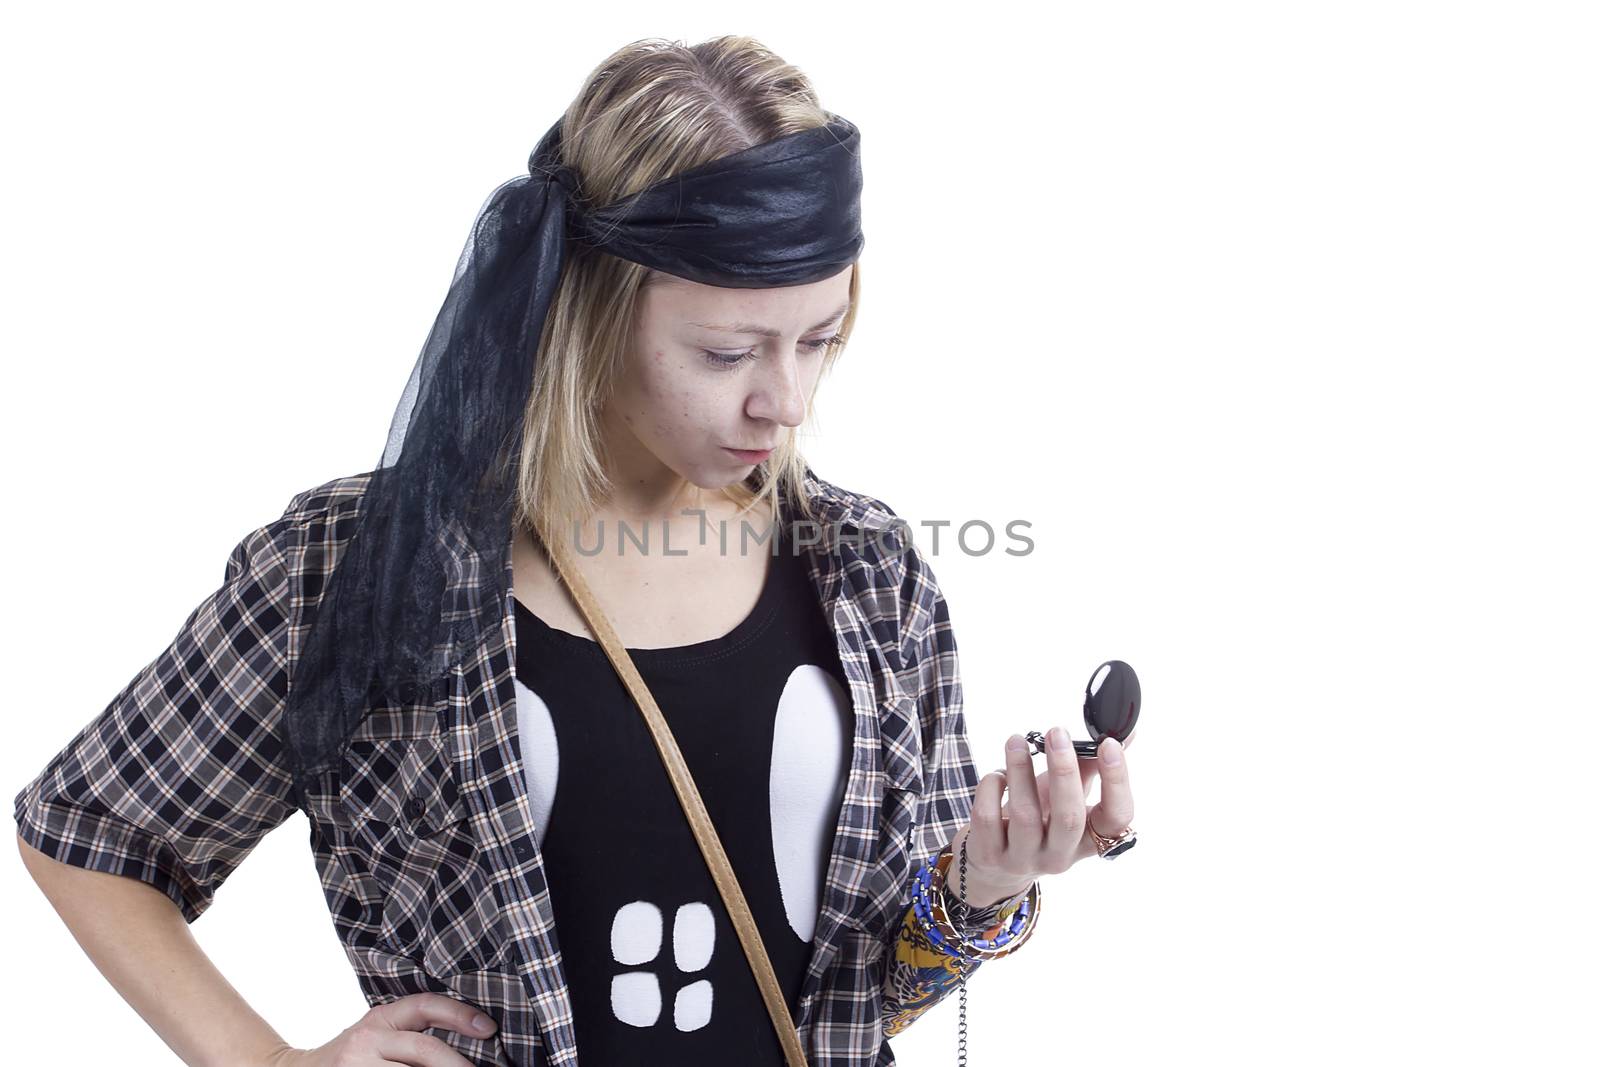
x=652, y=109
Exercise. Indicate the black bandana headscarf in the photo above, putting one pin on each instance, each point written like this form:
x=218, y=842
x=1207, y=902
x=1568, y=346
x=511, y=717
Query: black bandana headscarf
x=785, y=212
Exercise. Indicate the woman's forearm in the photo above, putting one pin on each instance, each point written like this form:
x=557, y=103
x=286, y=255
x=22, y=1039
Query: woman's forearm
x=138, y=939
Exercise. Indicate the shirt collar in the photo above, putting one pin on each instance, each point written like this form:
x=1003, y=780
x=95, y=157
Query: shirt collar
x=838, y=505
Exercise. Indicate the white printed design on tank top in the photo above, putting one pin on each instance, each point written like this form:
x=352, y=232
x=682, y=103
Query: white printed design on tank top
x=804, y=793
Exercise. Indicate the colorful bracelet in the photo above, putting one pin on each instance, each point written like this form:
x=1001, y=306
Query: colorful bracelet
x=932, y=910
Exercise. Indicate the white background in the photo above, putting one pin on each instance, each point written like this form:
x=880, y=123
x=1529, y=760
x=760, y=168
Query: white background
x=1276, y=321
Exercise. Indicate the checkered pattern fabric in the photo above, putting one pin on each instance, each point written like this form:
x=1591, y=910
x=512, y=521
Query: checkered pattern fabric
x=421, y=831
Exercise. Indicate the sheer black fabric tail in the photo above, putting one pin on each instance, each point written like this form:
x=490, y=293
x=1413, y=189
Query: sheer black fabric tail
x=422, y=578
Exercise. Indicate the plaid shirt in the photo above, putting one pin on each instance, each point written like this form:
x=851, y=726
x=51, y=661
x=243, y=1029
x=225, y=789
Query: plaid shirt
x=421, y=831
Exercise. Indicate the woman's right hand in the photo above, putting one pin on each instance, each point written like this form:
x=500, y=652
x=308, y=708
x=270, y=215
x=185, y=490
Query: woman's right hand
x=389, y=1033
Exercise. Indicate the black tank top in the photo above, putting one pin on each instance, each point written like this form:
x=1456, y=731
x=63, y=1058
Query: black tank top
x=765, y=723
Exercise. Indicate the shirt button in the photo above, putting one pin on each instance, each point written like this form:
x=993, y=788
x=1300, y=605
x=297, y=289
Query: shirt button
x=414, y=808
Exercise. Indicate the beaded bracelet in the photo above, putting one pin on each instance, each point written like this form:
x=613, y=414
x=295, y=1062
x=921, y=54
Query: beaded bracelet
x=1000, y=941
x=932, y=911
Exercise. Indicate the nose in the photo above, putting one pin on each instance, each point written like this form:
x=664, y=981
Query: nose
x=780, y=392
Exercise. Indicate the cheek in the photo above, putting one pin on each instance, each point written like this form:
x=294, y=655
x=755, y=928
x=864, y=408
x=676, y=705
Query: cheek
x=659, y=382
x=676, y=398
x=657, y=374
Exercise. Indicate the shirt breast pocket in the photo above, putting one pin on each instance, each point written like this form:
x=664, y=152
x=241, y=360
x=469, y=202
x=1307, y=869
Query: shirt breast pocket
x=408, y=820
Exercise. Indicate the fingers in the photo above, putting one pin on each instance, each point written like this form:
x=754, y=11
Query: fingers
x=1088, y=771
x=1114, y=813
x=1067, y=792
x=1089, y=766
x=419, y=1050
x=419, y=1011
x=1020, y=821
x=986, y=844
x=1025, y=815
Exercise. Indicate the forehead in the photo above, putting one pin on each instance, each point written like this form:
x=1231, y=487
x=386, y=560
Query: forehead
x=789, y=307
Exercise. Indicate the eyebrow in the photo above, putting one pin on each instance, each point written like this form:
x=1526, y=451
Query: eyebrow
x=767, y=331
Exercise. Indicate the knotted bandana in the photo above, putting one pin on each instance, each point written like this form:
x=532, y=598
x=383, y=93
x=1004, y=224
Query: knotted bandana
x=402, y=606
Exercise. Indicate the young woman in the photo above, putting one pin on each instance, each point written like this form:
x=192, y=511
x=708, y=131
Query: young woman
x=634, y=337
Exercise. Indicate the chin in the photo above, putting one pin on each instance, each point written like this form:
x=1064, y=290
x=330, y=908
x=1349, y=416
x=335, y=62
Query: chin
x=713, y=480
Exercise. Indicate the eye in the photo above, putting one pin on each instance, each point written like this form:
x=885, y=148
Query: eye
x=725, y=360
x=824, y=343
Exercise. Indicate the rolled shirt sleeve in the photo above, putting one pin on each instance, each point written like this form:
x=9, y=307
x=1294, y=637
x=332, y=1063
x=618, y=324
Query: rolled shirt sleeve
x=917, y=974
x=183, y=772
